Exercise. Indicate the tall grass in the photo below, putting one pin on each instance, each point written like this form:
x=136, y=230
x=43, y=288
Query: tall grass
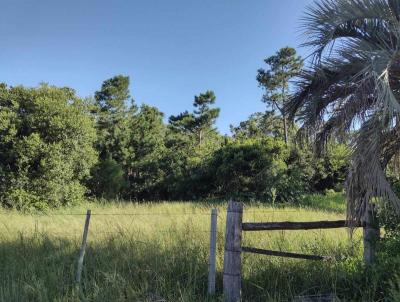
x=155, y=251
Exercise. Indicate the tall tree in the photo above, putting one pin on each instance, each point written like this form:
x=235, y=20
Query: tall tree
x=112, y=114
x=190, y=139
x=147, y=142
x=113, y=94
x=201, y=122
x=353, y=85
x=205, y=116
x=282, y=67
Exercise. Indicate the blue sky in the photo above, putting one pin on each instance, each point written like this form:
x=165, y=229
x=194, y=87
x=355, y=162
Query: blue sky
x=172, y=50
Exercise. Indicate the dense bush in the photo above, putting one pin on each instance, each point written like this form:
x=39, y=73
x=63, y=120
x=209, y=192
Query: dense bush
x=384, y=273
x=331, y=167
x=108, y=179
x=46, y=147
x=389, y=220
x=252, y=169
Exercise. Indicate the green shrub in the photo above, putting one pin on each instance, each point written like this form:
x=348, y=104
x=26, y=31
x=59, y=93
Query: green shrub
x=394, y=289
x=108, y=179
x=251, y=169
x=46, y=147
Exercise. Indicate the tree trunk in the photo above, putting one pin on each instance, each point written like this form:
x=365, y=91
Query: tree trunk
x=285, y=129
x=371, y=234
x=283, y=113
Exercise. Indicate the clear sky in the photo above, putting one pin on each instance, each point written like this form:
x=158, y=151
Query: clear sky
x=171, y=49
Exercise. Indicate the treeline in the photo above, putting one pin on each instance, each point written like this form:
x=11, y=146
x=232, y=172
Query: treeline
x=56, y=148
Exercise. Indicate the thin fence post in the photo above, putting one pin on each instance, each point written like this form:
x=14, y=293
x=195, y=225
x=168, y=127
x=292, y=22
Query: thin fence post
x=232, y=257
x=370, y=234
x=213, y=251
x=82, y=250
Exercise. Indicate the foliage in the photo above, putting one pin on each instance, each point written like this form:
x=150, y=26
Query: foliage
x=109, y=179
x=331, y=167
x=147, y=135
x=201, y=122
x=142, y=158
x=390, y=222
x=191, y=140
x=283, y=67
x=112, y=115
x=259, y=125
x=352, y=81
x=113, y=94
x=306, y=169
x=394, y=290
x=46, y=147
x=251, y=169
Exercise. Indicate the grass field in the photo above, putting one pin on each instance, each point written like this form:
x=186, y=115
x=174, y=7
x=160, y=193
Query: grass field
x=145, y=252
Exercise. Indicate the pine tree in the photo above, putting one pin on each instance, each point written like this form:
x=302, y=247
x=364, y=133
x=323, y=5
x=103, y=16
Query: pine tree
x=199, y=123
x=205, y=116
x=283, y=66
x=112, y=122
x=112, y=115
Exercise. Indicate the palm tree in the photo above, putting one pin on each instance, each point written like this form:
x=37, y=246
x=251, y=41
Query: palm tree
x=352, y=84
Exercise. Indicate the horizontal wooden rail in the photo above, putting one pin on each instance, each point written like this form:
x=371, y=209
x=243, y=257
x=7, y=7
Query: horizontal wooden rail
x=283, y=254
x=287, y=225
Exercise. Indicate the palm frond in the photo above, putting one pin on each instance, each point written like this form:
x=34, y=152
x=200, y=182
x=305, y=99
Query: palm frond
x=353, y=84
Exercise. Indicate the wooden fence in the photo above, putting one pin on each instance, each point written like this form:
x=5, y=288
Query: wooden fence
x=234, y=248
x=233, y=245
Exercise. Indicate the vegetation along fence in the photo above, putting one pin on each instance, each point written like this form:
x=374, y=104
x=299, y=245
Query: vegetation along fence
x=234, y=248
x=212, y=250
x=233, y=244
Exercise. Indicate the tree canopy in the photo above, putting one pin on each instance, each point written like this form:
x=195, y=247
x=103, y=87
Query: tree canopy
x=56, y=149
x=282, y=67
x=46, y=146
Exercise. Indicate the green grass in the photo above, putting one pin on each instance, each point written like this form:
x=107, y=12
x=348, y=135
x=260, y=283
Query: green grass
x=332, y=201
x=162, y=251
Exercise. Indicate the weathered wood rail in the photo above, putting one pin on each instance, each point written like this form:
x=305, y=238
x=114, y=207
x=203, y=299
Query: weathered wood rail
x=288, y=225
x=254, y=250
x=233, y=242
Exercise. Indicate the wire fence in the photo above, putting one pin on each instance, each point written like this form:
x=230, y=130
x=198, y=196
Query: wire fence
x=132, y=228
x=128, y=227
x=44, y=214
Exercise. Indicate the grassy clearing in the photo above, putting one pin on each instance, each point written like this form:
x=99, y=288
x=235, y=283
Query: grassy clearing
x=162, y=251
x=332, y=202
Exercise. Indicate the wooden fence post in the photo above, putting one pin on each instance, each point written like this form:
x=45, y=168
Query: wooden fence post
x=370, y=233
x=82, y=250
x=232, y=257
x=213, y=251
